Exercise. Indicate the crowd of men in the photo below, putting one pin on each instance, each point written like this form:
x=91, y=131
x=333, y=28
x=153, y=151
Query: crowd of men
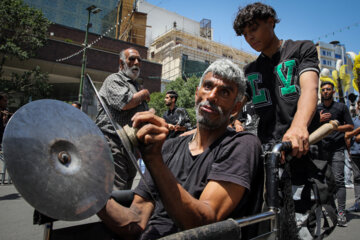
x=216, y=170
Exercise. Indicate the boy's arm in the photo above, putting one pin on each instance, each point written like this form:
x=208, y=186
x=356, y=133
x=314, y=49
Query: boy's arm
x=306, y=107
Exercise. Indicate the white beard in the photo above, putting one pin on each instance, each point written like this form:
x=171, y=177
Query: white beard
x=129, y=71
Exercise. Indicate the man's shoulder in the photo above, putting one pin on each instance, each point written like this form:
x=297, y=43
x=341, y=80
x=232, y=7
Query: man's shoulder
x=339, y=105
x=233, y=137
x=172, y=143
x=254, y=64
x=114, y=76
x=298, y=44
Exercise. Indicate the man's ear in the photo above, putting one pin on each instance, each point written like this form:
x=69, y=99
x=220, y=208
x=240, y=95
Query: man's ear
x=271, y=21
x=238, y=105
x=121, y=63
x=196, y=93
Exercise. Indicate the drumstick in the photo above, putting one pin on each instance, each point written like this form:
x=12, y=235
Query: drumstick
x=323, y=131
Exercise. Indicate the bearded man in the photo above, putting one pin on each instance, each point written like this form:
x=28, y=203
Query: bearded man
x=333, y=145
x=123, y=97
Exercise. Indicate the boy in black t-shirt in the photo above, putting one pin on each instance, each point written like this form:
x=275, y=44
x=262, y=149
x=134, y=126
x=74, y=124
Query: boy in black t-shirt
x=283, y=86
x=283, y=70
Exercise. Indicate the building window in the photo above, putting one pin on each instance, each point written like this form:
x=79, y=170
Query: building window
x=323, y=52
x=152, y=54
x=337, y=56
x=178, y=40
x=185, y=57
x=324, y=62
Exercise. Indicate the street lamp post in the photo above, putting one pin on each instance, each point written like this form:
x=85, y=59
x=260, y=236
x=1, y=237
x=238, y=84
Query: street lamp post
x=92, y=9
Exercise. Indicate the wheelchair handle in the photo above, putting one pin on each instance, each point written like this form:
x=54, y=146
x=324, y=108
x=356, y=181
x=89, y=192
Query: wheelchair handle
x=272, y=161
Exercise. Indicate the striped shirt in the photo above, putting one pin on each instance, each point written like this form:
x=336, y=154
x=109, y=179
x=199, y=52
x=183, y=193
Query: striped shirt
x=116, y=92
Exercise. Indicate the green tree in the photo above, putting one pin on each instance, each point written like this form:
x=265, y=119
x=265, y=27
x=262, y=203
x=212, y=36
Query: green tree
x=186, y=92
x=30, y=85
x=22, y=30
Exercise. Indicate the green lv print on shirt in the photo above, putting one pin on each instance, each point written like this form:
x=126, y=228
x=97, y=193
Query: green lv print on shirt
x=260, y=96
x=287, y=88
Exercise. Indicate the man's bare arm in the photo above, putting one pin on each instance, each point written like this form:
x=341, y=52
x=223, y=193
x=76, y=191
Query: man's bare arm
x=350, y=134
x=127, y=222
x=345, y=128
x=215, y=203
x=298, y=133
x=138, y=98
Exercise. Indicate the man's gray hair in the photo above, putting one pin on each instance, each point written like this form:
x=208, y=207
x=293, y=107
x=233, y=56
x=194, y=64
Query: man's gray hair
x=228, y=70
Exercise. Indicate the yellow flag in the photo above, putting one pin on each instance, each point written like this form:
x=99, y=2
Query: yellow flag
x=355, y=85
x=345, y=78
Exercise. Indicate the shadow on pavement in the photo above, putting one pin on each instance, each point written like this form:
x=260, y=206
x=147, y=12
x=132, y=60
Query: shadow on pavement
x=351, y=215
x=10, y=196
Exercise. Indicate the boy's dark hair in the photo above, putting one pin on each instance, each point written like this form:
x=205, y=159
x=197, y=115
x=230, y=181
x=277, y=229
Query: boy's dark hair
x=248, y=15
x=172, y=94
x=326, y=83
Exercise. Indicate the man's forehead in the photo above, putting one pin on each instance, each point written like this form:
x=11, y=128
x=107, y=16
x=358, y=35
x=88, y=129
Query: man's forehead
x=214, y=77
x=327, y=86
x=131, y=52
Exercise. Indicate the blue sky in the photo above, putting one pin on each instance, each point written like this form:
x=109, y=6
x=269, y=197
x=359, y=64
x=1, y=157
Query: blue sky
x=299, y=20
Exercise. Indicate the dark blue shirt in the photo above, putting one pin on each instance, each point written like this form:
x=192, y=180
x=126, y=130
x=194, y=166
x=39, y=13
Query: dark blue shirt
x=355, y=147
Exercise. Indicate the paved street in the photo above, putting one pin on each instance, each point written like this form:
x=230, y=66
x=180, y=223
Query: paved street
x=16, y=219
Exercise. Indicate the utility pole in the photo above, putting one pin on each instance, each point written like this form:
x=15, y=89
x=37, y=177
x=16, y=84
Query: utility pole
x=92, y=9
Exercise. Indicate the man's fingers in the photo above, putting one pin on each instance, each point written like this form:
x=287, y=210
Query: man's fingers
x=295, y=147
x=141, y=118
x=150, y=133
x=153, y=138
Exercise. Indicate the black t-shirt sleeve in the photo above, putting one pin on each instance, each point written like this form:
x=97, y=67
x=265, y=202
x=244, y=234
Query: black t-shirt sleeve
x=167, y=152
x=142, y=190
x=237, y=161
x=308, y=58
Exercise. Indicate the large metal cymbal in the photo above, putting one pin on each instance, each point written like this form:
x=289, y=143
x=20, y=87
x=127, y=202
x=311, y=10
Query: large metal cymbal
x=58, y=160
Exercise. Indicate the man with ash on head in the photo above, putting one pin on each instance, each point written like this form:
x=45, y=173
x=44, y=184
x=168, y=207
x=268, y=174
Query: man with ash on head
x=123, y=97
x=177, y=118
x=198, y=179
x=333, y=145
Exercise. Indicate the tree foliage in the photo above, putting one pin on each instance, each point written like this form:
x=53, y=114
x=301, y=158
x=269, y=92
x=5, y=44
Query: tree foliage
x=30, y=85
x=186, y=97
x=22, y=30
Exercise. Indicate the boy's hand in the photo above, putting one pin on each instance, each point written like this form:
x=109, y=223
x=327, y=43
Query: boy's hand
x=299, y=138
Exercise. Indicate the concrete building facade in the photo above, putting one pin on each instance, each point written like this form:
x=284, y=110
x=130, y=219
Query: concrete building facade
x=183, y=46
x=183, y=54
